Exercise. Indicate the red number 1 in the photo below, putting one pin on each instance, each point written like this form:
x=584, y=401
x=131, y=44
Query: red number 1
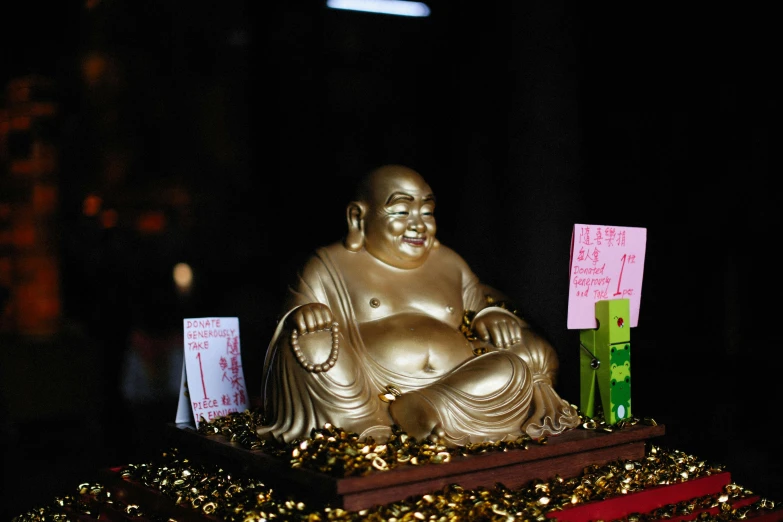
x=619, y=280
x=200, y=369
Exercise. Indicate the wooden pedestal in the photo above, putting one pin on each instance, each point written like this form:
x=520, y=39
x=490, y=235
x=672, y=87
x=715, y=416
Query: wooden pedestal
x=565, y=455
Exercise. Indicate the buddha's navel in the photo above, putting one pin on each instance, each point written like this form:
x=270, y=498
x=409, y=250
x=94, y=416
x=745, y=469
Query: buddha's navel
x=415, y=344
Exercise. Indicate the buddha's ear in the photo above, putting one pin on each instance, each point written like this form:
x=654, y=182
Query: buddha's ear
x=354, y=239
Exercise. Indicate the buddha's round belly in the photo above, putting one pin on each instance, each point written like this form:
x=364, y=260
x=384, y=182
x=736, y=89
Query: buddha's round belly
x=415, y=344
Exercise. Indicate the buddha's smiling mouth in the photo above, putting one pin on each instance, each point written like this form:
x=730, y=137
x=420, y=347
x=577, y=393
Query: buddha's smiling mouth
x=415, y=241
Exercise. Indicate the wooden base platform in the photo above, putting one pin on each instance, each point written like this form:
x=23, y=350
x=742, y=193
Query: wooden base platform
x=565, y=455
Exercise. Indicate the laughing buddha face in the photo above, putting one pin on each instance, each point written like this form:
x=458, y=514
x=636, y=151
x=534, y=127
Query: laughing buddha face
x=398, y=217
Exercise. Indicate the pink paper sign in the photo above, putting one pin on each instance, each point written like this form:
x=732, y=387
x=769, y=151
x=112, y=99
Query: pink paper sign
x=606, y=263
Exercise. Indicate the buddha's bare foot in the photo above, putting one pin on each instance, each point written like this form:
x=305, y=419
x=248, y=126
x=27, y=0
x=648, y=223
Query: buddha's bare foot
x=414, y=414
x=377, y=433
x=265, y=434
x=437, y=435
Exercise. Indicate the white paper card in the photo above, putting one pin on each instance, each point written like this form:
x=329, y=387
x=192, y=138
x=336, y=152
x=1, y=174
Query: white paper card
x=213, y=383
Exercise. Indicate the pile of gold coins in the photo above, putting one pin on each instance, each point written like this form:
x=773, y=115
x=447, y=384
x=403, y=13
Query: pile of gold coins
x=339, y=453
x=219, y=494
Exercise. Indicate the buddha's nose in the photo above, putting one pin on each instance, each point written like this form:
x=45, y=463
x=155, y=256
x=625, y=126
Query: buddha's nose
x=417, y=224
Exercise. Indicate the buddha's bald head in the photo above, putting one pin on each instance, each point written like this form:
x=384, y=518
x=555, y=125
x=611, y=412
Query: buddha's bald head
x=393, y=217
x=386, y=180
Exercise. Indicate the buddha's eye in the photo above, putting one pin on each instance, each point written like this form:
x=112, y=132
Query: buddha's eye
x=398, y=210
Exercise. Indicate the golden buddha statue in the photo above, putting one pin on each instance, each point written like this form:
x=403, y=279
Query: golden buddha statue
x=373, y=334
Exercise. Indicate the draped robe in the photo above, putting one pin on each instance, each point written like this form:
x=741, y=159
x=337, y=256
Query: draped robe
x=497, y=395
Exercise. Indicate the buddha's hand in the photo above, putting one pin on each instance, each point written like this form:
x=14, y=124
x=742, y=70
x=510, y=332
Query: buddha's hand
x=500, y=328
x=311, y=318
x=314, y=352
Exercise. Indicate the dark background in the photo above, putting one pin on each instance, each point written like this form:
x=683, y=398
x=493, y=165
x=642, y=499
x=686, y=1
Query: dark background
x=246, y=127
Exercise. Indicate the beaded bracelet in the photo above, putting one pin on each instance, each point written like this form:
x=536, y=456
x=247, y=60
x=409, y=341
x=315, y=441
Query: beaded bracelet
x=307, y=365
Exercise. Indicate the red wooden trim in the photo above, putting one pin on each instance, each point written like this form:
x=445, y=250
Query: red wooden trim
x=643, y=501
x=772, y=516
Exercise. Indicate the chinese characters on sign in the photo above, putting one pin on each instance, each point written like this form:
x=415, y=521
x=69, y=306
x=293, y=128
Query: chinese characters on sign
x=607, y=262
x=213, y=384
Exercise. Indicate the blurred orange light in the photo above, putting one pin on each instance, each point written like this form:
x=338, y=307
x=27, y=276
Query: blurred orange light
x=24, y=235
x=183, y=276
x=109, y=218
x=94, y=68
x=21, y=122
x=44, y=199
x=152, y=222
x=91, y=205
